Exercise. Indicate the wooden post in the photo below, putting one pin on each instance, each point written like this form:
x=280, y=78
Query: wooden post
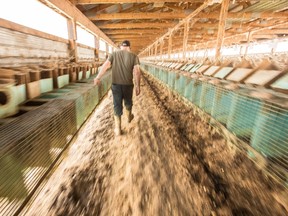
x=249, y=37
x=107, y=50
x=221, y=28
x=96, y=41
x=185, y=38
x=169, y=46
x=161, y=49
x=156, y=46
x=72, y=35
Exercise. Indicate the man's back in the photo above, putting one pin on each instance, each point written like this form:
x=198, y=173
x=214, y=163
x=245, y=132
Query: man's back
x=122, y=66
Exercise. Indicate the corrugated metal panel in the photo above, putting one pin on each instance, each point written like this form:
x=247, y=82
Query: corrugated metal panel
x=268, y=5
x=262, y=6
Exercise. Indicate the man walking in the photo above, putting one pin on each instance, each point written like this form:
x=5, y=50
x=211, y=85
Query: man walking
x=125, y=67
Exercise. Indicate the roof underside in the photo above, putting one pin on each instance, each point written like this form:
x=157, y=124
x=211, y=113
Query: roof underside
x=144, y=22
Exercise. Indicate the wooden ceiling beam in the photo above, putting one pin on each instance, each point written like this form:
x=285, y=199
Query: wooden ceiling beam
x=221, y=27
x=129, y=16
x=157, y=25
x=237, y=38
x=135, y=25
x=79, y=2
x=97, y=9
x=263, y=36
x=181, y=15
x=133, y=31
x=128, y=37
x=243, y=16
x=272, y=31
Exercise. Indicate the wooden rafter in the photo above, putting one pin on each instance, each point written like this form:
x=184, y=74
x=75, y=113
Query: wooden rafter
x=181, y=15
x=133, y=31
x=129, y=16
x=161, y=47
x=176, y=27
x=221, y=27
x=156, y=25
x=123, y=1
x=272, y=31
x=185, y=38
x=170, y=45
x=245, y=36
x=128, y=37
x=244, y=16
x=97, y=9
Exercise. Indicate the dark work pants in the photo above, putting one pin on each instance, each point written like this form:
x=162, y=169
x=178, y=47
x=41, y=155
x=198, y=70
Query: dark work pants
x=120, y=93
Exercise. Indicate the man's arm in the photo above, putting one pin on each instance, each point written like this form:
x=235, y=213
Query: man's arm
x=137, y=78
x=104, y=68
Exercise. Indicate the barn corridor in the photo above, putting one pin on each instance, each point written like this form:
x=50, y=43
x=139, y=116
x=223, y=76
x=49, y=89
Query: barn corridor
x=167, y=162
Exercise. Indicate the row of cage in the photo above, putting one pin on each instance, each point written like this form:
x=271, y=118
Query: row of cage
x=32, y=143
x=257, y=117
x=19, y=84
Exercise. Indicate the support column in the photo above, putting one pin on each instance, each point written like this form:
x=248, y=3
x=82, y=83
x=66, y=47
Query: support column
x=249, y=37
x=221, y=28
x=185, y=38
x=72, y=36
x=169, y=46
x=107, y=50
x=156, y=46
x=161, y=49
x=96, y=41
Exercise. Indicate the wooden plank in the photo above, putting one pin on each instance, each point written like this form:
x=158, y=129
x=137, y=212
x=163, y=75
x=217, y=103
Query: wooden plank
x=72, y=33
x=221, y=27
x=185, y=38
x=81, y=2
x=129, y=36
x=247, y=15
x=181, y=15
x=142, y=16
x=170, y=46
x=133, y=31
x=272, y=31
x=157, y=25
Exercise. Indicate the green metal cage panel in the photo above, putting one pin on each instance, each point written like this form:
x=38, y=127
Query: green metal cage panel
x=244, y=111
x=188, y=89
x=196, y=92
x=181, y=82
x=207, y=97
x=33, y=141
x=260, y=124
x=222, y=104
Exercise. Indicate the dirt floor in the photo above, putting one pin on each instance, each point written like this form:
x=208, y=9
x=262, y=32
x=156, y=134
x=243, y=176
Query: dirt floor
x=167, y=162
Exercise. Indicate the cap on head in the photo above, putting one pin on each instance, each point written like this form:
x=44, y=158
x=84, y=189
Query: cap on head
x=125, y=43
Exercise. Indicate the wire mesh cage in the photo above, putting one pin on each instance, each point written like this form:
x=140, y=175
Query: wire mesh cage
x=258, y=124
x=32, y=143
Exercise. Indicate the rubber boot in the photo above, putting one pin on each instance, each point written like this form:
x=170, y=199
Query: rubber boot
x=130, y=116
x=117, y=129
